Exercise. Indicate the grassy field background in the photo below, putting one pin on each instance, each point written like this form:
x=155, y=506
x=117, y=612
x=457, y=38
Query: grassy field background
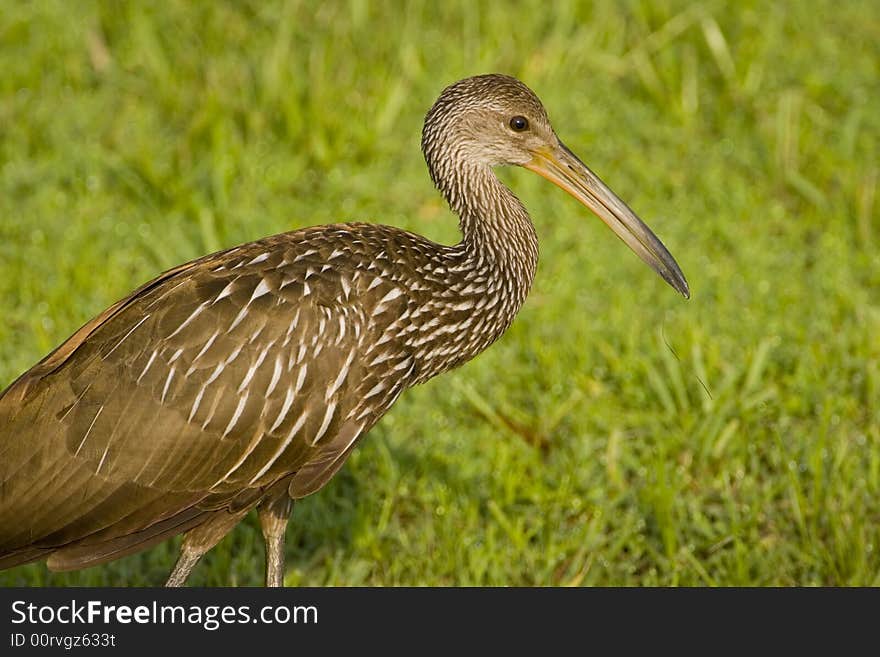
x=617, y=435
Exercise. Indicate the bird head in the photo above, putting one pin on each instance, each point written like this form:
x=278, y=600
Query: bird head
x=492, y=120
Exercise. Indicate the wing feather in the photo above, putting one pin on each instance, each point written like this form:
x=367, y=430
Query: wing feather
x=199, y=391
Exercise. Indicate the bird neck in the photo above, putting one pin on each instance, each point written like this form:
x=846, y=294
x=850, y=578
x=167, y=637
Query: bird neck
x=490, y=272
x=497, y=233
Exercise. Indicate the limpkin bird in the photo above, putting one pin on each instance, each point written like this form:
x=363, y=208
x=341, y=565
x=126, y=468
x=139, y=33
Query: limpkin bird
x=245, y=378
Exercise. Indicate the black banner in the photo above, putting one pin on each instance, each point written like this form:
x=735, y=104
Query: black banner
x=128, y=621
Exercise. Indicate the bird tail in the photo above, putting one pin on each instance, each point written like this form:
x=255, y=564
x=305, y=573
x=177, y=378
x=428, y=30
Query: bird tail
x=83, y=554
x=23, y=556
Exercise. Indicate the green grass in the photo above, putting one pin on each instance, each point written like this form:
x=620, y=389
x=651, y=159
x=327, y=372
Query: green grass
x=617, y=435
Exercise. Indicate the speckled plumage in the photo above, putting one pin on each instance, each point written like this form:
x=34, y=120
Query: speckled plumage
x=247, y=376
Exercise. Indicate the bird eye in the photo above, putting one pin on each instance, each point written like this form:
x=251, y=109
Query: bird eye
x=519, y=124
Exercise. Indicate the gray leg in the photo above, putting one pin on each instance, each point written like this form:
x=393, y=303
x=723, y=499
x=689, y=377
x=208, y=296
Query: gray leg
x=185, y=563
x=199, y=540
x=274, y=514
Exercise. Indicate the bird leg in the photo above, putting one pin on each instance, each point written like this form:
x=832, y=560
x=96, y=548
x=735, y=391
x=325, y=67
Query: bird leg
x=274, y=513
x=199, y=540
x=185, y=563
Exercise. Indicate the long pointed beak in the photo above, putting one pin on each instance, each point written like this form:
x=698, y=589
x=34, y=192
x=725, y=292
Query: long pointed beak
x=563, y=168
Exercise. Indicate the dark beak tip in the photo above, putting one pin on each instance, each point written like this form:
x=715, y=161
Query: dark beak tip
x=678, y=283
x=683, y=288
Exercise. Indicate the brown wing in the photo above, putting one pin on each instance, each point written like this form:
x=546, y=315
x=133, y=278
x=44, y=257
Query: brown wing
x=194, y=394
